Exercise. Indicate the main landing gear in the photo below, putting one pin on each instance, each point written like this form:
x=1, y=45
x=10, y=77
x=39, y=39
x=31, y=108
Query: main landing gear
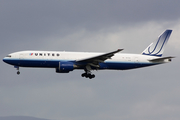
x=87, y=73
x=17, y=67
x=90, y=76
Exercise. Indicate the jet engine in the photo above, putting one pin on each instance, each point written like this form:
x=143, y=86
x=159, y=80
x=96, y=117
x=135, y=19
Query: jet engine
x=65, y=67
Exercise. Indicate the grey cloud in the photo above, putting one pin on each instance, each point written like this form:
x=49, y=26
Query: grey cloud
x=20, y=118
x=38, y=17
x=26, y=22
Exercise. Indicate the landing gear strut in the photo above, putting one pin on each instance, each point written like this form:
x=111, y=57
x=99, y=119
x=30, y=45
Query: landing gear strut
x=17, y=67
x=87, y=73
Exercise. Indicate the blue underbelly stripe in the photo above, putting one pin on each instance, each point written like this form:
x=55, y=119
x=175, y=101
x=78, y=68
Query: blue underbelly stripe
x=55, y=64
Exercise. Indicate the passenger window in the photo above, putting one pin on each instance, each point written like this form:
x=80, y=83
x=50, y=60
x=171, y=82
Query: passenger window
x=40, y=54
x=57, y=54
x=52, y=54
x=36, y=54
x=48, y=54
x=44, y=54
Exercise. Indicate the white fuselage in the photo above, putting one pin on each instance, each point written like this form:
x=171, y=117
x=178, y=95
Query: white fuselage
x=51, y=59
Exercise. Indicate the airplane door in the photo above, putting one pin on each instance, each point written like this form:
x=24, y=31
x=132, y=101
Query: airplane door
x=136, y=61
x=21, y=56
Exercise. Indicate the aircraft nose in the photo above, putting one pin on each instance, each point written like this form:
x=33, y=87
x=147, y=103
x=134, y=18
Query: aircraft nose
x=4, y=59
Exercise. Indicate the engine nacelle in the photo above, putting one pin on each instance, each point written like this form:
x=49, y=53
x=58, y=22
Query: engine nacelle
x=65, y=67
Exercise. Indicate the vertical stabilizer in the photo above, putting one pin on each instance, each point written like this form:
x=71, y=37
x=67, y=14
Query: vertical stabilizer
x=157, y=47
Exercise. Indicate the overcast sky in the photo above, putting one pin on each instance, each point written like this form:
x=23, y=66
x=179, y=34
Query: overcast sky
x=90, y=25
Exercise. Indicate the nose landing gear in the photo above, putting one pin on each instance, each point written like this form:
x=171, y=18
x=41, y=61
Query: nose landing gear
x=17, y=67
x=18, y=72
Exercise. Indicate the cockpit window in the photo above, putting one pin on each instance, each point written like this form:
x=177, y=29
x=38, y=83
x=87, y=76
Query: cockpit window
x=8, y=56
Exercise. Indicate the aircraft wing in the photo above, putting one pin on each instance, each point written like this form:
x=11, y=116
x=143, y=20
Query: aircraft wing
x=93, y=61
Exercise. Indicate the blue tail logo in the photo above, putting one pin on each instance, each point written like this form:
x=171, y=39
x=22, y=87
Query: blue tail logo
x=157, y=47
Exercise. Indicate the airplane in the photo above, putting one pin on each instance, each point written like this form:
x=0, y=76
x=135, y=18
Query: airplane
x=64, y=62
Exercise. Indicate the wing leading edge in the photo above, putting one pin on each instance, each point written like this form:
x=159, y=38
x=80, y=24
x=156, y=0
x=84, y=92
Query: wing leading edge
x=100, y=58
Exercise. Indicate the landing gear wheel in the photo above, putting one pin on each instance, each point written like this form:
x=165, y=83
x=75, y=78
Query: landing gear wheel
x=93, y=76
x=18, y=72
x=83, y=75
x=90, y=76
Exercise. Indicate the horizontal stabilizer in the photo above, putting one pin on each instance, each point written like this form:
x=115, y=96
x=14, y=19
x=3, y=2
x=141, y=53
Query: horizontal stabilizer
x=161, y=59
